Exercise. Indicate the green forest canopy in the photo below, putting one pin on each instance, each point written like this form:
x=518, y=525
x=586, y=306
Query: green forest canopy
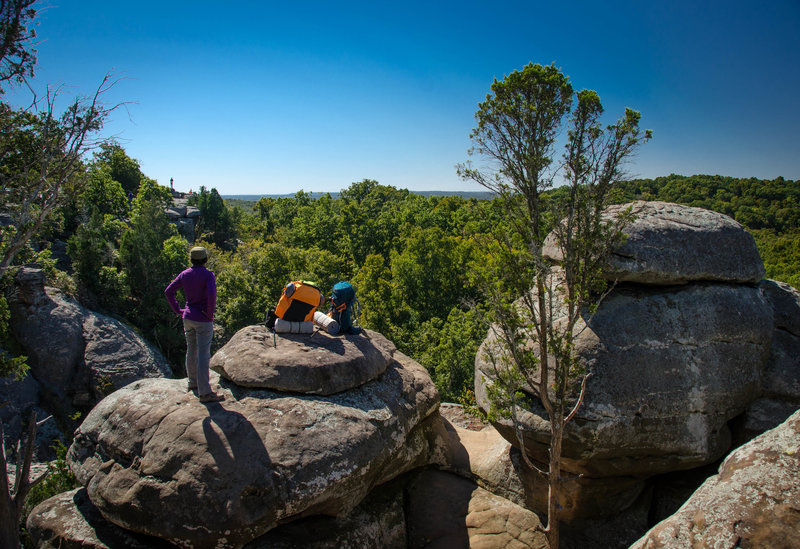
x=412, y=258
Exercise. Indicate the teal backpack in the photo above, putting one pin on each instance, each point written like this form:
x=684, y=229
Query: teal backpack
x=345, y=308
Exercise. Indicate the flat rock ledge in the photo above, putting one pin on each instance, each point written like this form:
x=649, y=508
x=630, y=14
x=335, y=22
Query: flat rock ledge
x=318, y=364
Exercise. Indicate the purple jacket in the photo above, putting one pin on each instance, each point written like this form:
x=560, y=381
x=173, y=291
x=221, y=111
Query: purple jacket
x=200, y=288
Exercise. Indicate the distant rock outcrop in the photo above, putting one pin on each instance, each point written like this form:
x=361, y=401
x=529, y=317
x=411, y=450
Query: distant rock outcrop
x=754, y=501
x=184, y=217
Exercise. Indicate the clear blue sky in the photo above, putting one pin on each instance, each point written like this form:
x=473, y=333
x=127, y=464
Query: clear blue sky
x=273, y=97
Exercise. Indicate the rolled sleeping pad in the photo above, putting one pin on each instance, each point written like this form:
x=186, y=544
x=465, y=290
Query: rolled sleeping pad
x=326, y=323
x=286, y=327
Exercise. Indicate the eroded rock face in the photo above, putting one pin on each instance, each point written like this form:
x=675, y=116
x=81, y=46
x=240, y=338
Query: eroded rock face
x=49, y=326
x=752, y=502
x=320, y=364
x=670, y=367
x=157, y=461
x=674, y=244
x=74, y=353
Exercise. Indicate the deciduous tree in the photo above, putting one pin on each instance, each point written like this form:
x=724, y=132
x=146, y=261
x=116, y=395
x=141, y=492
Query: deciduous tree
x=536, y=312
x=17, y=56
x=40, y=152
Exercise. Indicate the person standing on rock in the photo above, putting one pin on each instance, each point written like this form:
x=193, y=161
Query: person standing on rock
x=200, y=288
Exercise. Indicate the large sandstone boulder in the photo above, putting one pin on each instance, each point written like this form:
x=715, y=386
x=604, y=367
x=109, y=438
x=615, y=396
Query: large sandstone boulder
x=115, y=355
x=674, y=244
x=75, y=353
x=754, y=501
x=320, y=364
x=681, y=346
x=670, y=367
x=156, y=461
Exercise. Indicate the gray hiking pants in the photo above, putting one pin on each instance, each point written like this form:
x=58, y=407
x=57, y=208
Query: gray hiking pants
x=198, y=353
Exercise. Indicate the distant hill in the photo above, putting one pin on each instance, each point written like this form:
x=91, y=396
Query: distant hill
x=479, y=195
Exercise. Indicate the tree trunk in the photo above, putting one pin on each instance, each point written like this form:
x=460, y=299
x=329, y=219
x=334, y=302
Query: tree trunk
x=553, y=481
x=11, y=505
x=9, y=527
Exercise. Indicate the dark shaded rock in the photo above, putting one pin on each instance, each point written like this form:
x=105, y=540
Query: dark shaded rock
x=674, y=244
x=780, y=378
x=785, y=302
x=672, y=490
x=321, y=364
x=614, y=532
x=445, y=510
x=754, y=501
x=379, y=522
x=17, y=397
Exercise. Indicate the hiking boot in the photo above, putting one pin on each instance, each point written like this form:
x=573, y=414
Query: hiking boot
x=191, y=386
x=212, y=397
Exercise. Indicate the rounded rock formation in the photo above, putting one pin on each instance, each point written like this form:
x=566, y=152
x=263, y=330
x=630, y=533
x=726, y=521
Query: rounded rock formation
x=319, y=364
x=157, y=461
x=675, y=244
x=670, y=367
